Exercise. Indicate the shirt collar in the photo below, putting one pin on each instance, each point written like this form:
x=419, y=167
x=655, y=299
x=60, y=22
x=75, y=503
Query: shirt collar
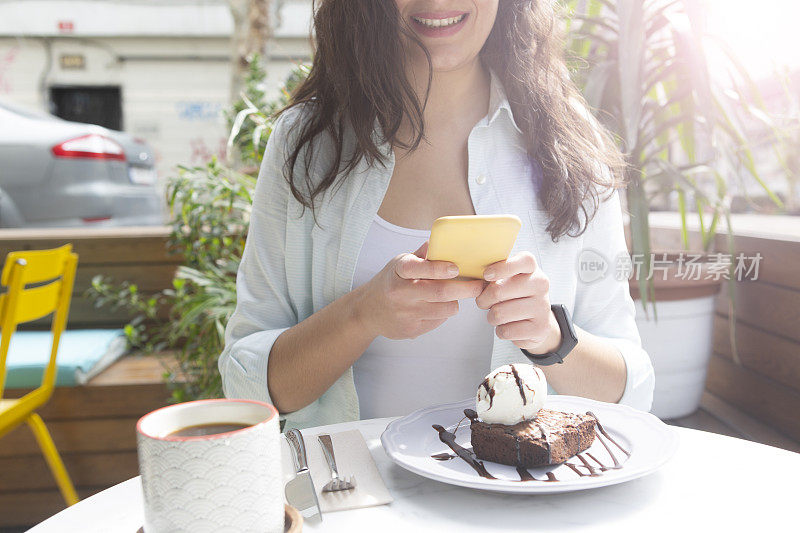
x=498, y=102
x=498, y=107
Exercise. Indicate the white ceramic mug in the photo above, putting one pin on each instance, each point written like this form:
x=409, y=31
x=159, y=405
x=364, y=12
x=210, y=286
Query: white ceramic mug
x=224, y=482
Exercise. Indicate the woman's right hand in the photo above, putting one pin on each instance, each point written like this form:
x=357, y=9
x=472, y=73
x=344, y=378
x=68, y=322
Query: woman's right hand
x=411, y=295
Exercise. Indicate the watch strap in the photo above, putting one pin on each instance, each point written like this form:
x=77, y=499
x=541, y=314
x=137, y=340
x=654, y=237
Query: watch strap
x=568, y=339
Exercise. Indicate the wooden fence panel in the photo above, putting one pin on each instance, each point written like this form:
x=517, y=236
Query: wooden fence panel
x=760, y=351
x=772, y=308
x=768, y=401
x=139, y=255
x=137, y=245
x=767, y=384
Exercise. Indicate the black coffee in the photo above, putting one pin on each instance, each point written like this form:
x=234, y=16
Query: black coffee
x=206, y=429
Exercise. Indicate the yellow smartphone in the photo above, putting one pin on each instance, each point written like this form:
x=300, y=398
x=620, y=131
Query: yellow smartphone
x=473, y=242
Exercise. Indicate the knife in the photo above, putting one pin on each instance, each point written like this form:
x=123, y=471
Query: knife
x=300, y=491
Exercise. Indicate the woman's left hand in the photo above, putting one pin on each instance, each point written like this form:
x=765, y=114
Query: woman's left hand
x=517, y=297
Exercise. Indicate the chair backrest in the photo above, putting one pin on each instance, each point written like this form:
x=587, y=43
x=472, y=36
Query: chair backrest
x=39, y=283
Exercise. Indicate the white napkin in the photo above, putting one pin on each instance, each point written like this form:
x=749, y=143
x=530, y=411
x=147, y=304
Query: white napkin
x=352, y=459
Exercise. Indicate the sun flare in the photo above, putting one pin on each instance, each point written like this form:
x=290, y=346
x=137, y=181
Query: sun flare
x=761, y=34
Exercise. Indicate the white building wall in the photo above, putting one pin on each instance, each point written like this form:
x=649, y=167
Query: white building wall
x=174, y=87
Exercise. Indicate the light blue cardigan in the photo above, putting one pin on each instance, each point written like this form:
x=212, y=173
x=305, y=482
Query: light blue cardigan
x=292, y=268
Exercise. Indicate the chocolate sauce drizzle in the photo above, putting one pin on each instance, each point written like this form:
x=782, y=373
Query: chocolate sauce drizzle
x=606, y=435
x=450, y=439
x=603, y=467
x=519, y=385
x=589, y=467
x=601, y=429
x=458, y=426
x=489, y=391
x=524, y=475
x=443, y=456
x=574, y=468
x=546, y=441
x=468, y=455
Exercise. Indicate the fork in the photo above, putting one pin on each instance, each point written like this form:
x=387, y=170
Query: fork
x=336, y=483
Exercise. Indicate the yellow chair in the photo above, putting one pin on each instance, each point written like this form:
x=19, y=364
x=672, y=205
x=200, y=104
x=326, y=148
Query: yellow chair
x=51, y=274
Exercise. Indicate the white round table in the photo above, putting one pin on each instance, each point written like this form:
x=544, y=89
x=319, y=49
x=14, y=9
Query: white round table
x=713, y=481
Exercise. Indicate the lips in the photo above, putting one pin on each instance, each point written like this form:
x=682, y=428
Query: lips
x=439, y=24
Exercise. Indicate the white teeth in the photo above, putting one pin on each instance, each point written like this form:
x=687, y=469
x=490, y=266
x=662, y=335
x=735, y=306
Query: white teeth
x=440, y=23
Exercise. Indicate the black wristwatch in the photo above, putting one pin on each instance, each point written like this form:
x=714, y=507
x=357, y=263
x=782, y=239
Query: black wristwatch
x=568, y=339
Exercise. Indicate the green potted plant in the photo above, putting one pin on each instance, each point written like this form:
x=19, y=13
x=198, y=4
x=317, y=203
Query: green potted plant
x=642, y=67
x=210, y=215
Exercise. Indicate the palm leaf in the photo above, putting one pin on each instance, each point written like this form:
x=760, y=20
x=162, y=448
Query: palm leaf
x=649, y=79
x=744, y=153
x=630, y=51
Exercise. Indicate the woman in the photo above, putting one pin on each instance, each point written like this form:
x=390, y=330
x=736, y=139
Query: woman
x=416, y=109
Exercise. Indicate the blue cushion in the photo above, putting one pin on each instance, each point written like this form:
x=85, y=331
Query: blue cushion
x=82, y=354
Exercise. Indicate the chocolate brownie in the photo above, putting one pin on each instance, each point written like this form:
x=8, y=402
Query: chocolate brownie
x=551, y=438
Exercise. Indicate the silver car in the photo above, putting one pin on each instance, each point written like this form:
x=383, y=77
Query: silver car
x=59, y=173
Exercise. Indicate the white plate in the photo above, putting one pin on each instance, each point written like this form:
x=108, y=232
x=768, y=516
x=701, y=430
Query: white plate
x=411, y=441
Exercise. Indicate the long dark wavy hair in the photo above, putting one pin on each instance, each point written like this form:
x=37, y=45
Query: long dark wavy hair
x=358, y=77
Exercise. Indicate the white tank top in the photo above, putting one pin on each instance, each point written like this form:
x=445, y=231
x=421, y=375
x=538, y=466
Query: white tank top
x=396, y=377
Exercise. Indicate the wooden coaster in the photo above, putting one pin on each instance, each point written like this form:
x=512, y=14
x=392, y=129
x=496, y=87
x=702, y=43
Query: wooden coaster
x=293, y=520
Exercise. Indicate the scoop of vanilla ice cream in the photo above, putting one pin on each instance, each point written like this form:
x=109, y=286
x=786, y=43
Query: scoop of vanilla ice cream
x=511, y=394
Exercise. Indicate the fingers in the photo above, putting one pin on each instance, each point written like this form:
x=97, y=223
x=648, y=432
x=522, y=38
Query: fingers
x=523, y=330
x=528, y=308
x=435, y=314
x=527, y=322
x=439, y=310
x=447, y=290
x=426, y=325
x=535, y=285
x=521, y=263
x=529, y=344
x=412, y=266
x=422, y=251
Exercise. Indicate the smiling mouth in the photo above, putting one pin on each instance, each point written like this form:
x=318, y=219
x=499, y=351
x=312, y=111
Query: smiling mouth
x=440, y=23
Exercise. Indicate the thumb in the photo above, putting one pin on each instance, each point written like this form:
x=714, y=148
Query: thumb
x=422, y=251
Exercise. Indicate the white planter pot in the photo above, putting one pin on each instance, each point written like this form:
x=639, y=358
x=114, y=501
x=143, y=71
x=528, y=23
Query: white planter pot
x=679, y=344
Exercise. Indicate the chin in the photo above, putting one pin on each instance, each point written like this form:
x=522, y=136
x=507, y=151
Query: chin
x=449, y=62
